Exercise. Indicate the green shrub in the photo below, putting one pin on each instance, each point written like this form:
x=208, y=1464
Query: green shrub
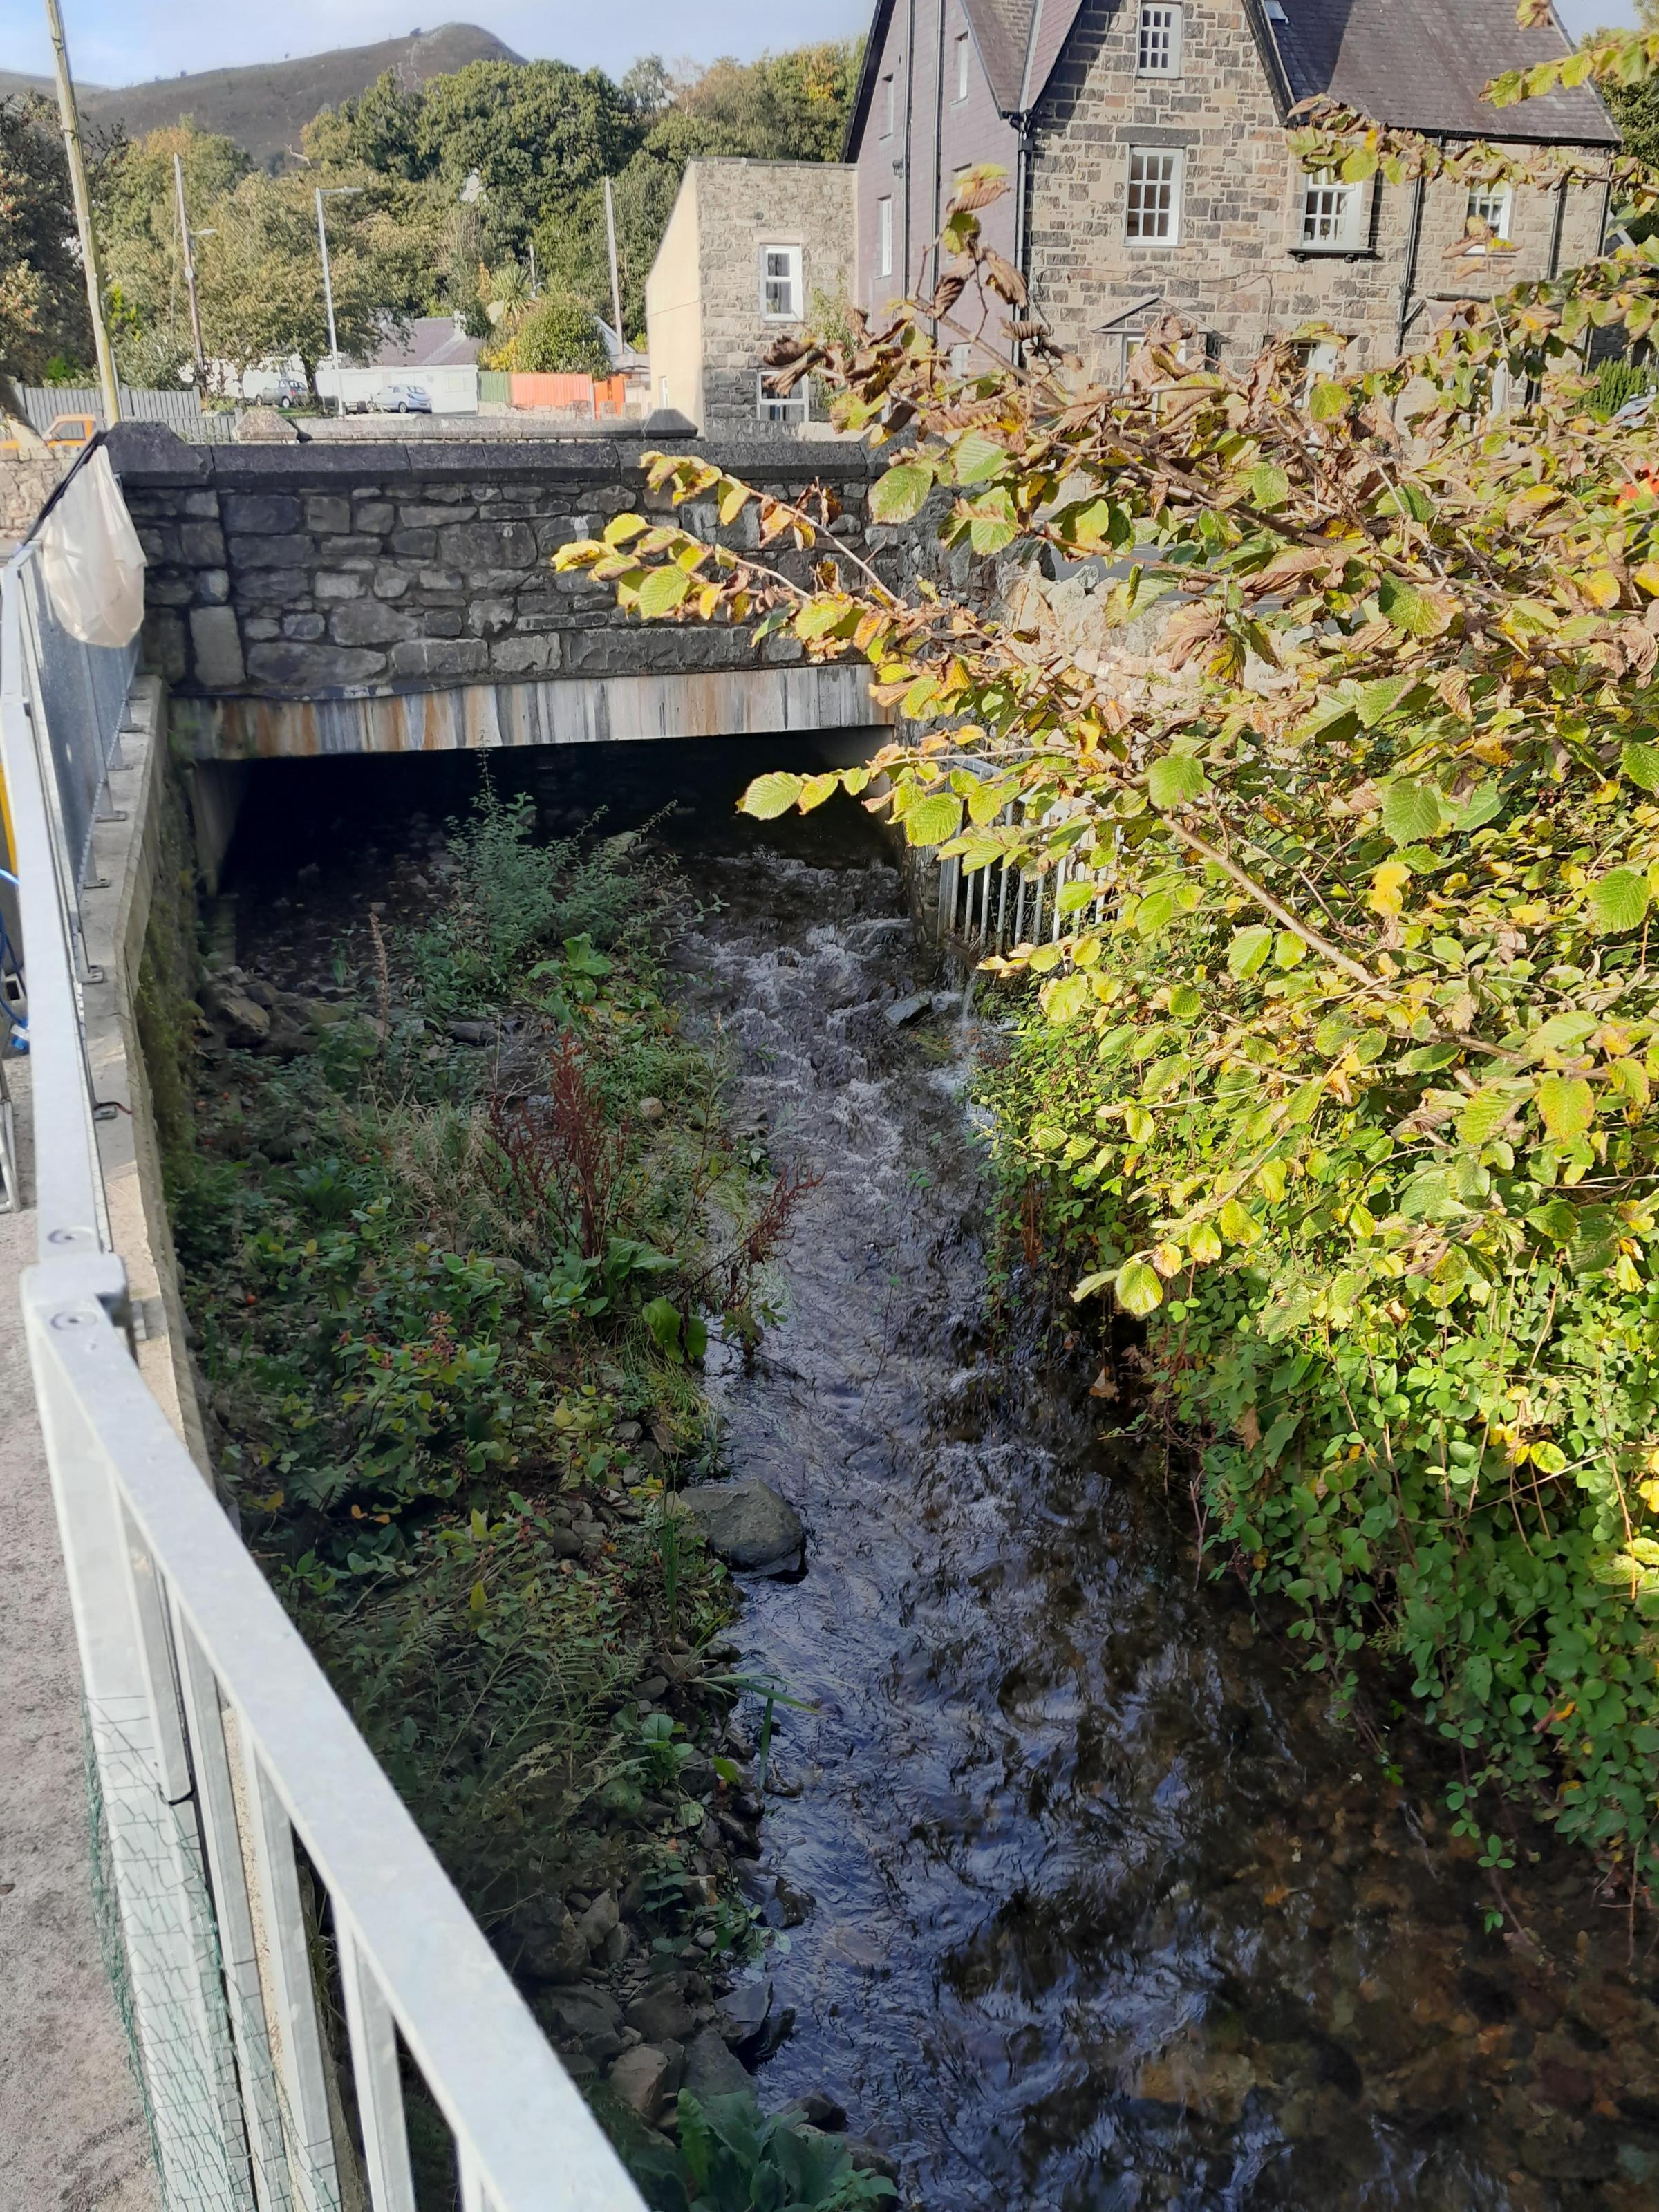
x=559, y=335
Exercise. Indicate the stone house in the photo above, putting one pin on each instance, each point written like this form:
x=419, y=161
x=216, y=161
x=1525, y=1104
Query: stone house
x=1146, y=140
x=749, y=247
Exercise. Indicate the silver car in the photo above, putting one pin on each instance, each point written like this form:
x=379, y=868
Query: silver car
x=404, y=399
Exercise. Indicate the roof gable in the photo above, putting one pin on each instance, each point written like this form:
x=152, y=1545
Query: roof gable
x=1424, y=65
x=1017, y=43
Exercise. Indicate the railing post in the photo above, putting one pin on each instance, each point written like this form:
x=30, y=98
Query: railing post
x=375, y=2065
x=294, y=2027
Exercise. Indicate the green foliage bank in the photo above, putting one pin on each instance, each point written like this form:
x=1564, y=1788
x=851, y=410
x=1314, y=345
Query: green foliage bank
x=1339, y=1074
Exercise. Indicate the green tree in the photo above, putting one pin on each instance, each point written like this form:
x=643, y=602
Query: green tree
x=558, y=334
x=43, y=301
x=136, y=210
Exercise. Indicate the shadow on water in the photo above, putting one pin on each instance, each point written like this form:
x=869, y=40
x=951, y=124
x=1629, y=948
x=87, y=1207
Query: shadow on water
x=1108, y=1912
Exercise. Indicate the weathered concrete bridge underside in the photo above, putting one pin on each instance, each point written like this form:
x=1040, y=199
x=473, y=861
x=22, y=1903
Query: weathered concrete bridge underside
x=307, y=599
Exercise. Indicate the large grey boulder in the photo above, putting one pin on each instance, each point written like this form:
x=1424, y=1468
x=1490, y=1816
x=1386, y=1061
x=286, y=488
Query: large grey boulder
x=714, y=2070
x=747, y=1524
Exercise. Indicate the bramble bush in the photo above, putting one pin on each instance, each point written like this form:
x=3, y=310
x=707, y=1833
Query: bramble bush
x=1340, y=1075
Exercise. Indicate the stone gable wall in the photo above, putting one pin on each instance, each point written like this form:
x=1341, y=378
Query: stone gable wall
x=304, y=571
x=742, y=206
x=1235, y=270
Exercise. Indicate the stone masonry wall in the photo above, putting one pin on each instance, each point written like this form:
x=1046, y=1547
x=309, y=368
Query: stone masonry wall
x=741, y=207
x=314, y=571
x=1237, y=268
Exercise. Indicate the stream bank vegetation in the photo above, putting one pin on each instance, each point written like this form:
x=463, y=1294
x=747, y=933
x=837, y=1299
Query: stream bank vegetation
x=454, y=1228
x=1337, y=1080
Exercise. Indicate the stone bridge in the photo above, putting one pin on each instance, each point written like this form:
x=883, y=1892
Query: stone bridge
x=314, y=598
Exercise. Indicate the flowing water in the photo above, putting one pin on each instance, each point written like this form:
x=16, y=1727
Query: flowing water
x=1108, y=1911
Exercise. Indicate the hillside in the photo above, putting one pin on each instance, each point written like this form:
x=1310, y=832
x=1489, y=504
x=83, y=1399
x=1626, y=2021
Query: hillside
x=265, y=106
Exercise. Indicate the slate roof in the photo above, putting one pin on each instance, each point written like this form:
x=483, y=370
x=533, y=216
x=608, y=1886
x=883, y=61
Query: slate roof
x=431, y=342
x=1422, y=65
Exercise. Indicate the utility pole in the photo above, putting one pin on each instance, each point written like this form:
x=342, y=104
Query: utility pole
x=189, y=276
x=77, y=169
x=331, y=193
x=611, y=247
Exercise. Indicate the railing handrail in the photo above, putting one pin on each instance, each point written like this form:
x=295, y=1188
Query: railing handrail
x=196, y=1675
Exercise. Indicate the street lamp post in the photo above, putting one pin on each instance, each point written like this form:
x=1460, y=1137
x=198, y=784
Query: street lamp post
x=71, y=120
x=331, y=193
x=186, y=248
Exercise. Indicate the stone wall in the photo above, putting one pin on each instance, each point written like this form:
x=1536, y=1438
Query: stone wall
x=1237, y=268
x=305, y=571
x=742, y=206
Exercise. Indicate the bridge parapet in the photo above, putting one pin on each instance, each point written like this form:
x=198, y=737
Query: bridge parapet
x=320, y=597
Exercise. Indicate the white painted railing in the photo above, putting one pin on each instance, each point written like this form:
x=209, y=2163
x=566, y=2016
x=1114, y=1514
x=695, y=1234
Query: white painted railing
x=291, y=1954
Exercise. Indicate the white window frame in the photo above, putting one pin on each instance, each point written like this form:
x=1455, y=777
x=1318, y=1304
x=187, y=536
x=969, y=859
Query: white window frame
x=1161, y=167
x=964, y=79
x=793, y=407
x=1330, y=215
x=1159, y=39
x=1493, y=205
x=790, y=276
x=885, y=236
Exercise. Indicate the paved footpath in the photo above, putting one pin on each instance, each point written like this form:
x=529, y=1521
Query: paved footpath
x=72, y=2135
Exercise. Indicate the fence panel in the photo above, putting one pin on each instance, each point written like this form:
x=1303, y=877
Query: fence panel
x=180, y=407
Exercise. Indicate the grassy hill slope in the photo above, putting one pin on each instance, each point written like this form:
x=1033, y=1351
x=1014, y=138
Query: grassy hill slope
x=265, y=106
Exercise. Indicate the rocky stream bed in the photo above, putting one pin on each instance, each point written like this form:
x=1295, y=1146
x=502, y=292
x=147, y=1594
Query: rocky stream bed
x=1083, y=1899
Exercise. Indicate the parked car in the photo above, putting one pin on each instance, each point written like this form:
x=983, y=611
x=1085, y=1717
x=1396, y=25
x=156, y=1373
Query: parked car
x=404, y=399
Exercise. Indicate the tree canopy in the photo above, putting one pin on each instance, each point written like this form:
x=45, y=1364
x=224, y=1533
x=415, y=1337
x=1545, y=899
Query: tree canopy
x=44, y=324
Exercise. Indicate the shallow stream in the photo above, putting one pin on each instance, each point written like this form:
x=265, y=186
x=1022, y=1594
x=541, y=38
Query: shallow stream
x=1108, y=1911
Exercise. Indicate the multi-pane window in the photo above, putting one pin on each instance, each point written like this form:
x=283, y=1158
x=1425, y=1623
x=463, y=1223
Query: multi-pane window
x=884, y=238
x=781, y=282
x=1158, y=46
x=1330, y=212
x=1491, y=211
x=962, y=65
x=1153, y=212
x=782, y=407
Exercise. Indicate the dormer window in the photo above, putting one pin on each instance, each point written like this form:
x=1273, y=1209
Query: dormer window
x=1157, y=45
x=1333, y=214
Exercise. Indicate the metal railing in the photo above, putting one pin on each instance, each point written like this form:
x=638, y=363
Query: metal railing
x=294, y=1963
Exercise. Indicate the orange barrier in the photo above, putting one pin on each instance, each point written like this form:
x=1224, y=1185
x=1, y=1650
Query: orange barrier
x=579, y=395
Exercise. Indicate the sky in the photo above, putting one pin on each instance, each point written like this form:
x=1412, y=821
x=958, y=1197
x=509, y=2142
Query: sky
x=116, y=42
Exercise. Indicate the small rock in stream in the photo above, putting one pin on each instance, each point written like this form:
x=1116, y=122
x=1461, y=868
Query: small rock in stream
x=742, y=2013
x=904, y=1012
x=648, y=2077
x=714, y=2070
x=747, y=1524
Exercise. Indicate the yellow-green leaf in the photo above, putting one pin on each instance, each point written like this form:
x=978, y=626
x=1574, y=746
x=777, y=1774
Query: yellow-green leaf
x=1138, y=1290
x=1175, y=780
x=1065, y=998
x=1641, y=765
x=1238, y=1223
x=1567, y=1105
x=932, y=820
x=1248, y=953
x=769, y=796
x=901, y=495
x=816, y=789
x=1617, y=903
x=662, y=592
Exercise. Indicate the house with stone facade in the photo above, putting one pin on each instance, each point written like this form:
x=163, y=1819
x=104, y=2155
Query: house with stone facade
x=748, y=246
x=1145, y=142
